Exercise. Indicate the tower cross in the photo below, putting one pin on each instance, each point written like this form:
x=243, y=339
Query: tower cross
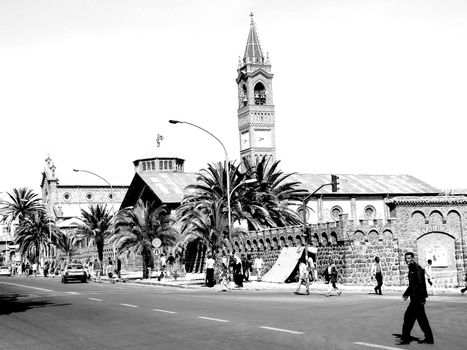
x=159, y=138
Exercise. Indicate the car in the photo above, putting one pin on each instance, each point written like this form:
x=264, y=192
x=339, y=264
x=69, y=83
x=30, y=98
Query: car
x=5, y=271
x=74, y=272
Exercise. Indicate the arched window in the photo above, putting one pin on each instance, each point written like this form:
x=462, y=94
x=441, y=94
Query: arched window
x=260, y=94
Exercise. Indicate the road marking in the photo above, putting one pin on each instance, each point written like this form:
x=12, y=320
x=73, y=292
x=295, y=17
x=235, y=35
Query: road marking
x=95, y=299
x=22, y=285
x=166, y=311
x=213, y=319
x=376, y=346
x=73, y=293
x=129, y=305
x=281, y=330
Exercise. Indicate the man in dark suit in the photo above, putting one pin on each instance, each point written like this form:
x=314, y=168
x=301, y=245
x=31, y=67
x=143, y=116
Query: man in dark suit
x=416, y=309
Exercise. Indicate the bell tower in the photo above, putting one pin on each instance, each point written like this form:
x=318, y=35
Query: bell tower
x=255, y=103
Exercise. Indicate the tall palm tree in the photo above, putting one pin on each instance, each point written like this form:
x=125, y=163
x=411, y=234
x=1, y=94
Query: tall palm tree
x=22, y=201
x=97, y=227
x=204, y=220
x=266, y=203
x=33, y=233
x=136, y=227
x=67, y=243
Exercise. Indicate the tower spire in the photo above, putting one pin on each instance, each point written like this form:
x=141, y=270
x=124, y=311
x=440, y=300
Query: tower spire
x=253, y=52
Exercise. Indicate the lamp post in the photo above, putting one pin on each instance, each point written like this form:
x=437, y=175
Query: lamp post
x=111, y=194
x=335, y=187
x=229, y=219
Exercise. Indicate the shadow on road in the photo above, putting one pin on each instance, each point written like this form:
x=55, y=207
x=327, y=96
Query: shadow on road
x=21, y=302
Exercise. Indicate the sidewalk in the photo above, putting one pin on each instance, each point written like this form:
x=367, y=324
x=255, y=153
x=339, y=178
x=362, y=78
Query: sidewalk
x=196, y=281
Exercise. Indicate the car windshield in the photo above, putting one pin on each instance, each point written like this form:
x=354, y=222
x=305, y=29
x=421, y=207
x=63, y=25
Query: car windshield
x=74, y=267
x=4, y=268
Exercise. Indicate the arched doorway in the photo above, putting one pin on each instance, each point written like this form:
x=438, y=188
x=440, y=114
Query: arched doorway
x=440, y=248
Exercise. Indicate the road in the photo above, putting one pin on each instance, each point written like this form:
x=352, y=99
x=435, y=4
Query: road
x=42, y=313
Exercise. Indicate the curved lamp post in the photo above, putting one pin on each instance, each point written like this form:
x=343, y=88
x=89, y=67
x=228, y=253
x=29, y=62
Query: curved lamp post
x=111, y=194
x=229, y=219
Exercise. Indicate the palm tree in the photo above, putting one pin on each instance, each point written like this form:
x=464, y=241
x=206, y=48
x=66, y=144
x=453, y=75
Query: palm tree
x=33, y=233
x=67, y=243
x=97, y=227
x=136, y=227
x=204, y=220
x=266, y=202
x=22, y=201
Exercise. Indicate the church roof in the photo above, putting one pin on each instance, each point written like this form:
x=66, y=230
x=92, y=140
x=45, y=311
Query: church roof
x=169, y=187
x=362, y=184
x=253, y=52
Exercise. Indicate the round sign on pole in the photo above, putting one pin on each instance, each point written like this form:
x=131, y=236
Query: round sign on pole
x=156, y=242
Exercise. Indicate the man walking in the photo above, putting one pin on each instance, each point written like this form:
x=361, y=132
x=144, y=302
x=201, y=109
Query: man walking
x=416, y=309
x=303, y=278
x=258, y=265
x=377, y=272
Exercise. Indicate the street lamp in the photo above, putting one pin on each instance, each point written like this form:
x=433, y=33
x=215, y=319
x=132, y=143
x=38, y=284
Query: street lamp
x=335, y=187
x=111, y=194
x=229, y=219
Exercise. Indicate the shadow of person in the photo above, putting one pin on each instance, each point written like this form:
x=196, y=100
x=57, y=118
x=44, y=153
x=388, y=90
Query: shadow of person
x=401, y=341
x=13, y=303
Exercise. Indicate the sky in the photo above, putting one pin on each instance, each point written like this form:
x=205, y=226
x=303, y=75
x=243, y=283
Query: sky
x=360, y=87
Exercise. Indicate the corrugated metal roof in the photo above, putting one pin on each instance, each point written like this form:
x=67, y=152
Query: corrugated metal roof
x=366, y=184
x=169, y=187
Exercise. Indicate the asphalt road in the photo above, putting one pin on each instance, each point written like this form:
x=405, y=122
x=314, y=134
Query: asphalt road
x=40, y=313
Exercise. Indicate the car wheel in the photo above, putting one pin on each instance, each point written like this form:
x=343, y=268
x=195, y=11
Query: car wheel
x=63, y=280
x=84, y=280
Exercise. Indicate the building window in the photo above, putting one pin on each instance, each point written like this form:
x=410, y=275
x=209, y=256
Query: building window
x=153, y=165
x=170, y=165
x=369, y=212
x=66, y=196
x=89, y=196
x=161, y=166
x=111, y=196
x=335, y=212
x=144, y=166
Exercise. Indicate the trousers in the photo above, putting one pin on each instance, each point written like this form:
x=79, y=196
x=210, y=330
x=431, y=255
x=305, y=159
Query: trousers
x=416, y=312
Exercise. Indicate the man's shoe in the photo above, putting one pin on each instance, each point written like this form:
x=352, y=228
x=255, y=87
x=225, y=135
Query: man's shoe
x=427, y=341
x=403, y=342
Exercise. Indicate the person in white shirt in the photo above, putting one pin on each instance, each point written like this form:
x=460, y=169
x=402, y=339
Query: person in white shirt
x=377, y=272
x=429, y=276
x=210, y=262
x=258, y=265
x=304, y=278
x=34, y=269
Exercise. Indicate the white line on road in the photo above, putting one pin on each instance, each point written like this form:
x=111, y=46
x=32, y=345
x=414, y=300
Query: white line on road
x=22, y=285
x=281, y=330
x=73, y=293
x=166, y=311
x=376, y=346
x=95, y=299
x=129, y=305
x=213, y=319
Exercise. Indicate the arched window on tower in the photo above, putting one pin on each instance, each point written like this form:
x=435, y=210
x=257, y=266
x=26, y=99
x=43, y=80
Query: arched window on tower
x=244, y=96
x=260, y=94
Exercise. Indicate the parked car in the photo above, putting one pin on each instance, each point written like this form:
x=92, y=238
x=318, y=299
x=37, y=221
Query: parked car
x=5, y=271
x=74, y=272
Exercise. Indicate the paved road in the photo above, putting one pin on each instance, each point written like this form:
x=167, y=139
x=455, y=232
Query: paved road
x=39, y=313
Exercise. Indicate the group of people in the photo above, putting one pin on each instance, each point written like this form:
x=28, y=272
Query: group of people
x=236, y=266
x=113, y=271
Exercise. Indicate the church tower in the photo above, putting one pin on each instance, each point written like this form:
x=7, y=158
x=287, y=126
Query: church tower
x=255, y=102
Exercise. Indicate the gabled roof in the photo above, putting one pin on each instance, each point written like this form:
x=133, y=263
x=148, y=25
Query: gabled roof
x=168, y=187
x=366, y=184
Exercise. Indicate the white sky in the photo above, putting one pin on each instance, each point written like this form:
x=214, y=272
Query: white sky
x=364, y=87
